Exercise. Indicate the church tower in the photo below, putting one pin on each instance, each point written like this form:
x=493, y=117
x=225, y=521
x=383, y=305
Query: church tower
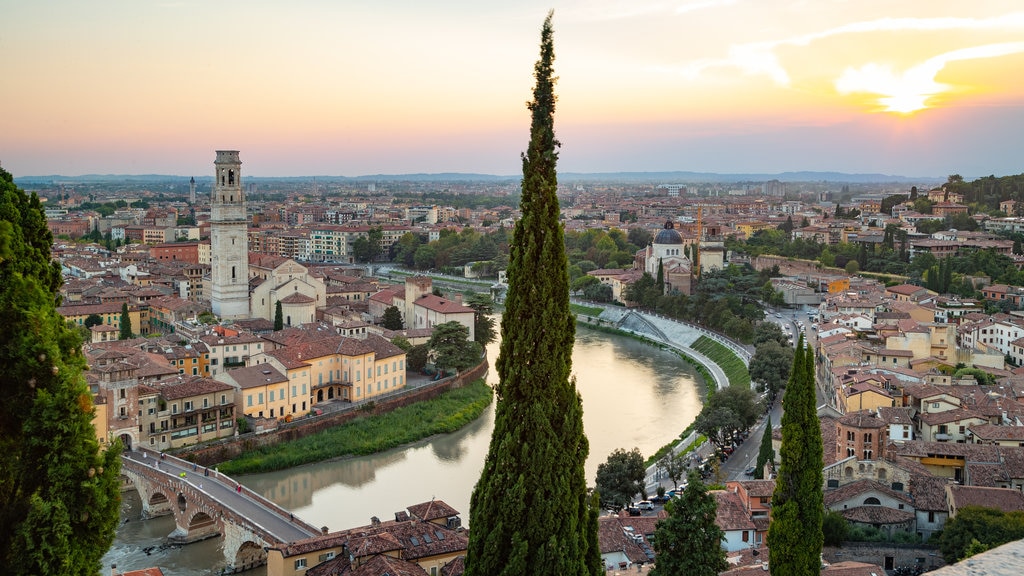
x=229, y=242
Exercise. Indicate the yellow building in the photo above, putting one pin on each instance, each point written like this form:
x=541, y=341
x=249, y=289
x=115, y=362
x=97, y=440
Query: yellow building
x=109, y=313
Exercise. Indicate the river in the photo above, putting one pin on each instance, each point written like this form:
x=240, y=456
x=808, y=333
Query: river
x=634, y=395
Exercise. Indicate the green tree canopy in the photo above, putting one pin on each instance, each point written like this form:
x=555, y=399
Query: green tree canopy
x=59, y=491
x=484, y=331
x=392, y=319
x=278, y=316
x=450, y=347
x=620, y=478
x=689, y=541
x=974, y=525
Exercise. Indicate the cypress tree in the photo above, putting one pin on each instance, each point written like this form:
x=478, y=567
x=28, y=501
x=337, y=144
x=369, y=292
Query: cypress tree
x=530, y=513
x=59, y=493
x=126, y=324
x=794, y=535
x=278, y=316
x=765, y=453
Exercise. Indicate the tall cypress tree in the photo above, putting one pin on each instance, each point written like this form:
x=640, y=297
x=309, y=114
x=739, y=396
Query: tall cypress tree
x=530, y=513
x=59, y=493
x=765, y=453
x=278, y=316
x=794, y=535
x=126, y=324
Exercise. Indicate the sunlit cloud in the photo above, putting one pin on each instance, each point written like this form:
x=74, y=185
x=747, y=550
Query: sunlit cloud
x=760, y=57
x=911, y=90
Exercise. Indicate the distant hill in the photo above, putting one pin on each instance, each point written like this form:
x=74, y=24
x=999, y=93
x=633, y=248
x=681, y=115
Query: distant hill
x=624, y=177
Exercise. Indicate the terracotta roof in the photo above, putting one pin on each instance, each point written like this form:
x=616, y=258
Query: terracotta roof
x=254, y=376
x=877, y=515
x=297, y=298
x=861, y=487
x=1005, y=499
x=433, y=510
x=732, y=515
x=442, y=305
x=187, y=387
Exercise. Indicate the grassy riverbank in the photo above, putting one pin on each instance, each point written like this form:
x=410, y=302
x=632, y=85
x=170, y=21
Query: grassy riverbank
x=446, y=413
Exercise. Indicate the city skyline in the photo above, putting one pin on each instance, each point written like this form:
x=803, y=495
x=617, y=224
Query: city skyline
x=349, y=89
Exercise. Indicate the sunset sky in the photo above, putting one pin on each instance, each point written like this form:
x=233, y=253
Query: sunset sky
x=349, y=88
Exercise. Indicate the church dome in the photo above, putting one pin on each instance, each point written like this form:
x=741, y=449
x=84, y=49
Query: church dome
x=668, y=235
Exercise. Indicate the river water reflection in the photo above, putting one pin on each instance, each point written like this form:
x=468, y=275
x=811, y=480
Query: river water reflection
x=634, y=395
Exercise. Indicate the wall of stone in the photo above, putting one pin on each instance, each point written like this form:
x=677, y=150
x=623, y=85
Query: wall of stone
x=877, y=552
x=211, y=454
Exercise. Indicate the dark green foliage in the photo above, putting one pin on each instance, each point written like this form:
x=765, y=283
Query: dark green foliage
x=483, y=322
x=451, y=347
x=126, y=324
x=689, y=542
x=794, y=535
x=834, y=528
x=93, y=320
x=416, y=357
x=530, y=511
x=59, y=492
x=278, y=316
x=392, y=319
x=976, y=529
x=765, y=452
x=620, y=478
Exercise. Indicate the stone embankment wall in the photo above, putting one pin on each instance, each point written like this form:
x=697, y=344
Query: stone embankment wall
x=211, y=454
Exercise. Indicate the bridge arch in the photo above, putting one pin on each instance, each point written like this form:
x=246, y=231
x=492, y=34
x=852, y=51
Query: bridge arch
x=249, y=555
x=159, y=500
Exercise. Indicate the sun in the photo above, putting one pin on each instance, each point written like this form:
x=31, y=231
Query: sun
x=900, y=93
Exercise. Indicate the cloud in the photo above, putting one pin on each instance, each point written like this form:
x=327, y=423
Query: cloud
x=760, y=57
x=912, y=89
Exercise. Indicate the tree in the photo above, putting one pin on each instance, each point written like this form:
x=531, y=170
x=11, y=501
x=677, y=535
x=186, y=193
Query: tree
x=278, y=316
x=689, y=541
x=620, y=477
x=392, y=319
x=483, y=323
x=59, y=491
x=834, y=528
x=530, y=510
x=451, y=347
x=771, y=365
x=93, y=320
x=673, y=465
x=974, y=529
x=794, y=535
x=765, y=452
x=416, y=357
x=126, y=324
x=742, y=401
x=717, y=424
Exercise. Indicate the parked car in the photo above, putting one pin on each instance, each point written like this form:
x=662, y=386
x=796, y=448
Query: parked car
x=645, y=505
x=750, y=471
x=633, y=511
x=664, y=498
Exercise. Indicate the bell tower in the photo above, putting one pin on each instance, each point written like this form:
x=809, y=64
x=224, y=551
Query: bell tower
x=229, y=241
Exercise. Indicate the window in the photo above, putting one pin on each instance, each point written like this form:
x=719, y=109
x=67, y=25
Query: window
x=300, y=563
x=188, y=405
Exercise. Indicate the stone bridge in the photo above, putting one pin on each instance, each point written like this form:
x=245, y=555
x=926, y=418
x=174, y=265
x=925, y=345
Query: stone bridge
x=206, y=504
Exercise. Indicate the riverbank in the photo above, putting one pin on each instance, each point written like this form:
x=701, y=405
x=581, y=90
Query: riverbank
x=371, y=433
